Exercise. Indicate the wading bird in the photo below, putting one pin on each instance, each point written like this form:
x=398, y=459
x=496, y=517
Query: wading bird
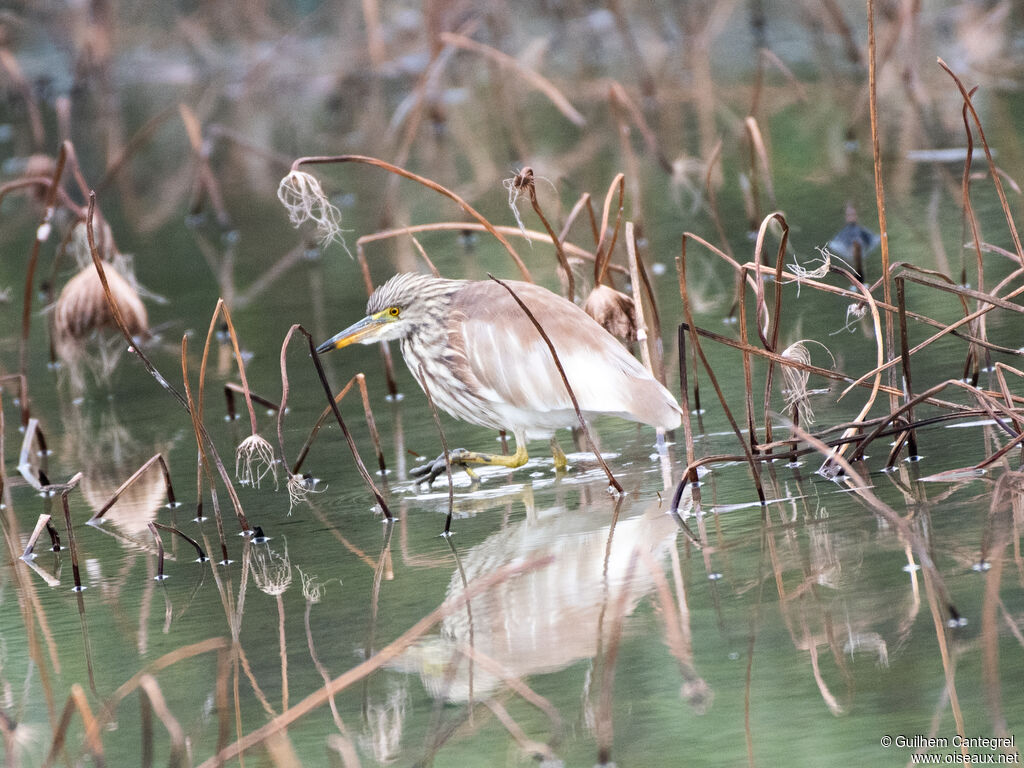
x=485, y=362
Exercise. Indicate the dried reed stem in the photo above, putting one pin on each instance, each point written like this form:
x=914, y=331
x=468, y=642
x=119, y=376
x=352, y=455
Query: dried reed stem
x=947, y=329
x=991, y=161
x=385, y=349
x=423, y=255
x=641, y=283
x=106, y=714
x=312, y=589
x=908, y=387
x=684, y=403
x=432, y=185
x=159, y=551
x=642, y=333
x=771, y=342
x=444, y=448
x=20, y=379
x=202, y=436
x=883, y=227
x=42, y=235
x=748, y=381
x=77, y=700
x=72, y=545
x=315, y=430
x=41, y=525
x=688, y=312
x=178, y=751
x=583, y=202
x=204, y=464
x=603, y=717
x=222, y=309
x=628, y=106
x=371, y=424
x=990, y=407
x=524, y=179
x=712, y=195
x=195, y=544
x=603, y=253
x=155, y=459
x=206, y=443
x=529, y=75
x=806, y=367
x=231, y=389
x=33, y=433
x=334, y=409
x=17, y=81
x=828, y=467
x=901, y=524
x=540, y=752
x=207, y=181
x=45, y=182
x=759, y=158
x=948, y=660
x=972, y=220
x=116, y=163
x=468, y=226
x=519, y=687
x=269, y=276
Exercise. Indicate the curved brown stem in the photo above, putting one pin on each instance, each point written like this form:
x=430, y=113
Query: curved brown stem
x=391, y=168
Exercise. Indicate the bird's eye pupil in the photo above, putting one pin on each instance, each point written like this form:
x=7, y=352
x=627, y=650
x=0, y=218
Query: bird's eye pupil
x=393, y=311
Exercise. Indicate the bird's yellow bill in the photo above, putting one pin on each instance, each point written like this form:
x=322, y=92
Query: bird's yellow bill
x=364, y=331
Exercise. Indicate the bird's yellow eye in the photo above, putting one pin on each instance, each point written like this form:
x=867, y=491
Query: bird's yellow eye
x=393, y=311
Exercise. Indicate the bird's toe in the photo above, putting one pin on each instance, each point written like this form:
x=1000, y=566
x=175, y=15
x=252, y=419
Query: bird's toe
x=431, y=470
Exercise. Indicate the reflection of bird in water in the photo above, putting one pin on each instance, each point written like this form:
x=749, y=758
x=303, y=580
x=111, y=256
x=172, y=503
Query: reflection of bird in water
x=481, y=358
x=544, y=620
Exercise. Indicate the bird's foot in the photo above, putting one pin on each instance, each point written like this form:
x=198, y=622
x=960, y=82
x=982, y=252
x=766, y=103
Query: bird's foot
x=460, y=457
x=429, y=471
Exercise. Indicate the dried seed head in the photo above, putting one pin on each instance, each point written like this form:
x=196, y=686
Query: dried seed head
x=97, y=356
x=516, y=186
x=613, y=310
x=254, y=460
x=312, y=587
x=803, y=273
x=384, y=725
x=82, y=305
x=303, y=197
x=855, y=312
x=272, y=572
x=796, y=391
x=795, y=380
x=299, y=488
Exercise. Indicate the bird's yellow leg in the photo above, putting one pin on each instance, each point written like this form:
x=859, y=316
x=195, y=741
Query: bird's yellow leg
x=517, y=459
x=460, y=457
x=558, y=454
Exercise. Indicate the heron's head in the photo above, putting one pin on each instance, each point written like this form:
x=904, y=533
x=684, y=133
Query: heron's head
x=396, y=310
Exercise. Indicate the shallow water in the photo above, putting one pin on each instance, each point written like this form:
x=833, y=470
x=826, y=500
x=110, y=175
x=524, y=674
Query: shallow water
x=800, y=631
